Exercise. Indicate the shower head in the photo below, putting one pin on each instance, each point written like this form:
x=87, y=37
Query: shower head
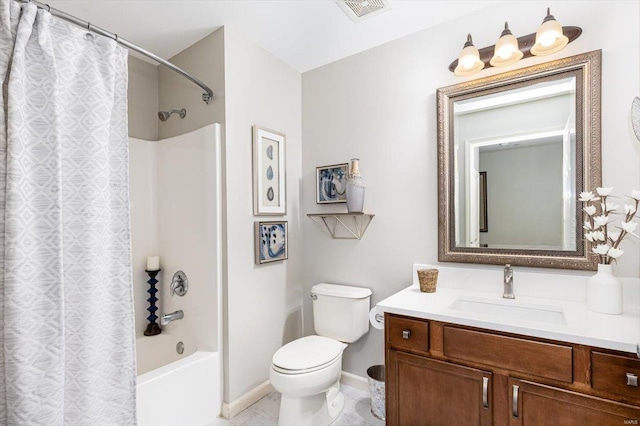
x=164, y=115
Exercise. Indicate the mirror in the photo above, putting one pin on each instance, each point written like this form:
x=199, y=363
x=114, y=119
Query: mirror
x=514, y=152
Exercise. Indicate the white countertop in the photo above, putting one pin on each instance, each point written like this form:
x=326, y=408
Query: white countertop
x=617, y=332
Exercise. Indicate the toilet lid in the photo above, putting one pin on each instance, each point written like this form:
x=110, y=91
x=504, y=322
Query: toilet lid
x=307, y=352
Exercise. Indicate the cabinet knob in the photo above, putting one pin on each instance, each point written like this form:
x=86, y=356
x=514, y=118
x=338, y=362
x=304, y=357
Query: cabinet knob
x=406, y=334
x=632, y=380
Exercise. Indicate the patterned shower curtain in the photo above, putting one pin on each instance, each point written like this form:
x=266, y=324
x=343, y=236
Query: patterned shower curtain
x=67, y=352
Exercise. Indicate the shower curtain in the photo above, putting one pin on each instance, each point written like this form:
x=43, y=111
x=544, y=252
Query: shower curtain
x=67, y=353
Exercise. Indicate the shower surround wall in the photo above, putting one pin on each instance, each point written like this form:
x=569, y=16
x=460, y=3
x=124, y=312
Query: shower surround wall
x=175, y=214
x=144, y=220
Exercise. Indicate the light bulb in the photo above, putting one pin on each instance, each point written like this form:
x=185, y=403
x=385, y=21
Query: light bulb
x=469, y=60
x=506, y=51
x=549, y=32
x=549, y=38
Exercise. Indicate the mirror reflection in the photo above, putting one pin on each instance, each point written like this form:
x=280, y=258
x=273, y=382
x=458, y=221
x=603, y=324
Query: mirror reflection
x=515, y=156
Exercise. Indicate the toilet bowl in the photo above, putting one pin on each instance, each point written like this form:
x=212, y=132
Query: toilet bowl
x=307, y=374
x=307, y=371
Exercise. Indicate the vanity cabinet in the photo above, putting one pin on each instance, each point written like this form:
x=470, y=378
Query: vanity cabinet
x=461, y=396
x=441, y=374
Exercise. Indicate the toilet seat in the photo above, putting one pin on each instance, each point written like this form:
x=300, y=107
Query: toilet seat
x=307, y=354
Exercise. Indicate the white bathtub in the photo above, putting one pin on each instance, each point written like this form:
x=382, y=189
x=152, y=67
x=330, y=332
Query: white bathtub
x=182, y=393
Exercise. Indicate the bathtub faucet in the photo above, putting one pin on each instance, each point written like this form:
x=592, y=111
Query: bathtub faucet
x=167, y=318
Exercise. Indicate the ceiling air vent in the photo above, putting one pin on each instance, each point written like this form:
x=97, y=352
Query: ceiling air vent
x=359, y=10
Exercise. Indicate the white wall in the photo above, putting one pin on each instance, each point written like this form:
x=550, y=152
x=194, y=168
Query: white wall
x=142, y=99
x=380, y=106
x=263, y=302
x=205, y=60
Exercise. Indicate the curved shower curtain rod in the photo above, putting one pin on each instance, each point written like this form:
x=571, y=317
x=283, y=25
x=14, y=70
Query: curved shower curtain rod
x=206, y=97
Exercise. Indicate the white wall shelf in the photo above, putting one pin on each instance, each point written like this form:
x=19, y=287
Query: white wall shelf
x=342, y=226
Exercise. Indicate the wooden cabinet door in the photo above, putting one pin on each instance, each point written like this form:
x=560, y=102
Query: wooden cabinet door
x=423, y=391
x=536, y=404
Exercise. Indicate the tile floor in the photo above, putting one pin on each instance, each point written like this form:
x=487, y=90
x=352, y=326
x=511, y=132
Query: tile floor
x=357, y=411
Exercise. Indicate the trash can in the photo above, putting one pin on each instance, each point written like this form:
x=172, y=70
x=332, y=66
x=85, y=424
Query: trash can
x=376, y=389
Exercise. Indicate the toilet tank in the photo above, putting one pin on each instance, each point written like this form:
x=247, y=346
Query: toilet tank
x=340, y=312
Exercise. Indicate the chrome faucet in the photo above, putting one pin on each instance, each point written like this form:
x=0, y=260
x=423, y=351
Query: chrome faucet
x=508, y=282
x=167, y=318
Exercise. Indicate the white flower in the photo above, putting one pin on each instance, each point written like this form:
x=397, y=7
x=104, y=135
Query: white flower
x=588, y=196
x=594, y=236
x=600, y=221
x=611, y=207
x=614, y=235
x=615, y=253
x=601, y=249
x=604, y=191
x=603, y=240
x=629, y=226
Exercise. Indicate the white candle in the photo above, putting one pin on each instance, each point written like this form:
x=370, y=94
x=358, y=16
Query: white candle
x=153, y=263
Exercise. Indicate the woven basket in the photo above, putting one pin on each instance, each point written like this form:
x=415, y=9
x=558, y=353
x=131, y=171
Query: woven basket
x=428, y=279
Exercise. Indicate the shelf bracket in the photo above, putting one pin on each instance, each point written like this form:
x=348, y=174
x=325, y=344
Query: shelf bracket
x=342, y=226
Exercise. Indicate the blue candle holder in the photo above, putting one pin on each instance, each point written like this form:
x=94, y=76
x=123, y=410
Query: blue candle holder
x=152, y=328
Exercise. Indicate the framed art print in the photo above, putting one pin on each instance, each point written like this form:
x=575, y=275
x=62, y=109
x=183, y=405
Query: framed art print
x=271, y=241
x=269, y=181
x=331, y=183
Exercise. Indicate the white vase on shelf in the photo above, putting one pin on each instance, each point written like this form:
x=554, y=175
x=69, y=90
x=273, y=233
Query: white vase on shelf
x=355, y=188
x=604, y=291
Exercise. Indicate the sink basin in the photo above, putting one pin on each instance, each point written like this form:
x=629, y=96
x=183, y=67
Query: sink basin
x=510, y=309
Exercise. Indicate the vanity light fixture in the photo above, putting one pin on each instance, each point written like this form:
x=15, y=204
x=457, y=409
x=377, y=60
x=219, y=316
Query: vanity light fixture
x=506, y=51
x=550, y=38
x=469, y=60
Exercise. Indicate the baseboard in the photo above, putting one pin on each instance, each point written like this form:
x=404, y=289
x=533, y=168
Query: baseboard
x=233, y=408
x=355, y=381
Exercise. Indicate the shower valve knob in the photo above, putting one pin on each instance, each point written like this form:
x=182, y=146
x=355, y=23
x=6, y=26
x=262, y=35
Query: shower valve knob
x=179, y=284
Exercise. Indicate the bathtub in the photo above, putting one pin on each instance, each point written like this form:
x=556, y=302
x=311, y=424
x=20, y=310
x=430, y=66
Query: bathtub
x=187, y=391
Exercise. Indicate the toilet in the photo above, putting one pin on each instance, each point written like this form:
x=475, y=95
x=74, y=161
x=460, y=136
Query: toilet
x=307, y=371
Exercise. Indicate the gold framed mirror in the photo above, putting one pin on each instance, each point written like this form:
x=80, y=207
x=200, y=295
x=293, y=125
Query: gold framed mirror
x=514, y=152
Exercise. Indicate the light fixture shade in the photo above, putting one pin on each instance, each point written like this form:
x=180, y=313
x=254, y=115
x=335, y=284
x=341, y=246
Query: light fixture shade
x=506, y=51
x=549, y=38
x=469, y=60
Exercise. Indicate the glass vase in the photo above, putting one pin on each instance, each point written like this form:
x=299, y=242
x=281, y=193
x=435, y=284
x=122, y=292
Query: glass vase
x=355, y=188
x=604, y=291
